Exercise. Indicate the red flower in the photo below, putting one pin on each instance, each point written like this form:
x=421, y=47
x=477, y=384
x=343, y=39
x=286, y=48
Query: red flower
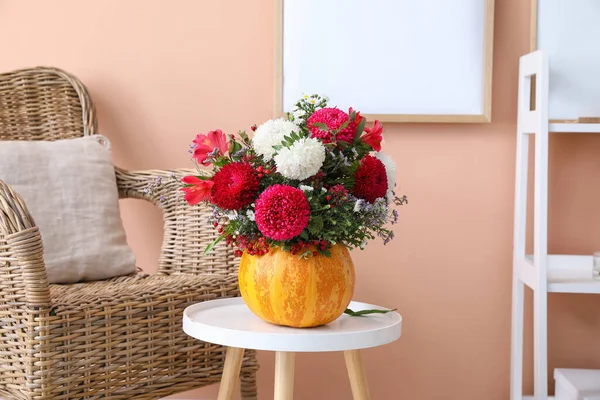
x=357, y=117
x=374, y=136
x=339, y=194
x=213, y=141
x=282, y=212
x=333, y=118
x=236, y=186
x=198, y=191
x=370, y=179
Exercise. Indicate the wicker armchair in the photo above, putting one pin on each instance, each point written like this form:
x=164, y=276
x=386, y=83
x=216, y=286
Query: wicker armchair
x=120, y=338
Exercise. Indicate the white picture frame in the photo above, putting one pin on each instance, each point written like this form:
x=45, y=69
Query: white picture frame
x=447, y=51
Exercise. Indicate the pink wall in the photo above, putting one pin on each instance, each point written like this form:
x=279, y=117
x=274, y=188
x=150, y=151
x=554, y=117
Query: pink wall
x=161, y=71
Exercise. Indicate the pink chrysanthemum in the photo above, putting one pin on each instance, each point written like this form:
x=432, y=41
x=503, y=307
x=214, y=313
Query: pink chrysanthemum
x=235, y=186
x=333, y=118
x=282, y=212
x=370, y=179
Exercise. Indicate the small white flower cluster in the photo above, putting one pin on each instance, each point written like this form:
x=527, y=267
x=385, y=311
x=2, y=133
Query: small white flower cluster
x=298, y=115
x=270, y=134
x=314, y=98
x=301, y=160
x=318, y=101
x=305, y=188
x=358, y=205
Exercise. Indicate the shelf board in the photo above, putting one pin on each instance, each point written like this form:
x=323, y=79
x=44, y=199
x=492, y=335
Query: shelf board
x=573, y=127
x=569, y=284
x=577, y=383
x=570, y=274
x=533, y=398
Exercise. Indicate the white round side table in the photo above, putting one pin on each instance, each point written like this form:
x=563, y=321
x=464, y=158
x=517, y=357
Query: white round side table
x=229, y=322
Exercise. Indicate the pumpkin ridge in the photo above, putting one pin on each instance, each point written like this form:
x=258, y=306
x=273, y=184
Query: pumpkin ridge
x=284, y=290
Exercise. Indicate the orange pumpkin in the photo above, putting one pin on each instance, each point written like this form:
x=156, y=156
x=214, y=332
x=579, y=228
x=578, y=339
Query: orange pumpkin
x=283, y=290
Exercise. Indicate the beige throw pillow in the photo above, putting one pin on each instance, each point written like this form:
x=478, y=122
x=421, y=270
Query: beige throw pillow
x=70, y=189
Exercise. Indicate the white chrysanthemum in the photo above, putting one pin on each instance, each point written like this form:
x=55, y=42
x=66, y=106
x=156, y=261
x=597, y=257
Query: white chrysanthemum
x=250, y=215
x=301, y=160
x=305, y=188
x=270, y=134
x=390, y=171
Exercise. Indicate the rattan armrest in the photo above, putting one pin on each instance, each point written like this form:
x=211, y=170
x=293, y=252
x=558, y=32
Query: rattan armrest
x=188, y=230
x=14, y=216
x=23, y=281
x=160, y=187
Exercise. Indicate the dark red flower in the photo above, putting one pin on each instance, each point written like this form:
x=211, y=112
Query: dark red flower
x=196, y=189
x=339, y=194
x=236, y=186
x=374, y=136
x=282, y=212
x=333, y=118
x=370, y=179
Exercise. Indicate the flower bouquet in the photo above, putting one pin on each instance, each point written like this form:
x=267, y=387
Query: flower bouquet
x=291, y=200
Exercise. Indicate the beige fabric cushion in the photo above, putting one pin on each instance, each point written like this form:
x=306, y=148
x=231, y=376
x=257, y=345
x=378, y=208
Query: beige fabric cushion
x=70, y=189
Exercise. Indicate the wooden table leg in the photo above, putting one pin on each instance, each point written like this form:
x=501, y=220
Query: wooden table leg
x=356, y=373
x=231, y=373
x=284, y=375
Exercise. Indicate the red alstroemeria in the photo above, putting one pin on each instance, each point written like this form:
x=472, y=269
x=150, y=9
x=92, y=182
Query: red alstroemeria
x=374, y=136
x=198, y=190
x=212, y=142
x=357, y=117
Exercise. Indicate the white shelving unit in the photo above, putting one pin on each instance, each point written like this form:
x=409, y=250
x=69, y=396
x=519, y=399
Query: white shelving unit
x=570, y=127
x=544, y=273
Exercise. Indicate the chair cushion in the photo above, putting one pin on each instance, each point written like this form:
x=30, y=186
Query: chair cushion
x=70, y=189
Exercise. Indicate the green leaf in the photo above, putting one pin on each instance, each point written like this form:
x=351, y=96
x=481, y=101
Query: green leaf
x=202, y=177
x=359, y=130
x=365, y=312
x=213, y=244
x=304, y=235
x=321, y=125
x=315, y=224
x=236, y=147
x=343, y=126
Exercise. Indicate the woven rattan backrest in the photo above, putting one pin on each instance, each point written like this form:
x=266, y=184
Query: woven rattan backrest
x=44, y=104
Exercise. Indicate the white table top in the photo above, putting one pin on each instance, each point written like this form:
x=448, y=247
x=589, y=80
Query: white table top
x=229, y=322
